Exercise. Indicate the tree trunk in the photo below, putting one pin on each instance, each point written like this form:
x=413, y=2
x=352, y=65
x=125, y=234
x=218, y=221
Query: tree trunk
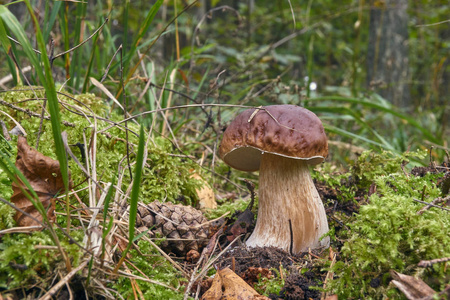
x=387, y=57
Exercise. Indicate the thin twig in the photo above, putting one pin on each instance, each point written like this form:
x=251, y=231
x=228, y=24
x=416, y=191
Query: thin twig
x=437, y=206
x=32, y=114
x=83, y=42
x=60, y=284
x=429, y=263
x=70, y=50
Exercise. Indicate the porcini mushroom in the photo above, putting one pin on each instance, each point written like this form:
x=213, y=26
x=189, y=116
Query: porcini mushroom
x=281, y=141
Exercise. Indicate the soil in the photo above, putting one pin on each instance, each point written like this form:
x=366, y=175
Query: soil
x=267, y=257
x=297, y=287
x=296, y=284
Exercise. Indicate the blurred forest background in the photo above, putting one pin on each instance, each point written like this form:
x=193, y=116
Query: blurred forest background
x=377, y=72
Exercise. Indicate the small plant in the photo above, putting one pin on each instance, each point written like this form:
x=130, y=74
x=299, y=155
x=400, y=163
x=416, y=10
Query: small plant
x=266, y=286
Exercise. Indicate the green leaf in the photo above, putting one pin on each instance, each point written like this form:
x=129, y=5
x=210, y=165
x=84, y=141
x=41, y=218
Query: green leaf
x=6, y=44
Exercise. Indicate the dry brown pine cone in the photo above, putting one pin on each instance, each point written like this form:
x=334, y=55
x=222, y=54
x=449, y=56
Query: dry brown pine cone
x=184, y=226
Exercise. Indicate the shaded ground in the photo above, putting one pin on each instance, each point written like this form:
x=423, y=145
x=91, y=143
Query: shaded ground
x=259, y=261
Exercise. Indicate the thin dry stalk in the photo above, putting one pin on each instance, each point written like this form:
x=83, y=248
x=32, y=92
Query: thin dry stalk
x=202, y=273
x=174, y=263
x=134, y=284
x=328, y=277
x=93, y=239
x=60, y=284
x=106, y=290
x=124, y=274
x=169, y=100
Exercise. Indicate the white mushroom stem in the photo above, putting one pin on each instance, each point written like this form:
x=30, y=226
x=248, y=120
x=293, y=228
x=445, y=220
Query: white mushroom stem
x=287, y=192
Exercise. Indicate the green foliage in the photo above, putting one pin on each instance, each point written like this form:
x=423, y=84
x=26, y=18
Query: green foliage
x=6, y=211
x=266, y=286
x=6, y=214
x=168, y=177
x=338, y=181
x=155, y=267
x=388, y=234
x=371, y=165
x=230, y=207
x=22, y=260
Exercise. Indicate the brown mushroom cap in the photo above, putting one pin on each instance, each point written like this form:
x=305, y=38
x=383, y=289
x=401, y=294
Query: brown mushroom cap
x=285, y=130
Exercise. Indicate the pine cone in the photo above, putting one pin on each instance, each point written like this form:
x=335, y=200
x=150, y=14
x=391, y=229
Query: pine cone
x=184, y=226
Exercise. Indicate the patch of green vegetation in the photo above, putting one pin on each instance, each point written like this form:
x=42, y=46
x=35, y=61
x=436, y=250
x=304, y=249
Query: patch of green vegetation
x=337, y=181
x=231, y=207
x=167, y=175
x=6, y=215
x=387, y=233
x=266, y=286
x=371, y=165
x=25, y=259
x=155, y=267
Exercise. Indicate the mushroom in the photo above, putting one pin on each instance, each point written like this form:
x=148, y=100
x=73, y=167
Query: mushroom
x=281, y=141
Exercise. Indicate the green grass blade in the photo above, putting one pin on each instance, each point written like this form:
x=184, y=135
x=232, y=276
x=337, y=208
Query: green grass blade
x=136, y=185
x=91, y=60
x=143, y=30
x=431, y=137
x=65, y=37
x=46, y=79
x=53, y=103
x=346, y=111
x=6, y=44
x=134, y=198
x=342, y=132
x=51, y=20
x=76, y=63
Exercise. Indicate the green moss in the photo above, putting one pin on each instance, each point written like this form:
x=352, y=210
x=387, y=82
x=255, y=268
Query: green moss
x=23, y=262
x=388, y=234
x=167, y=177
x=370, y=165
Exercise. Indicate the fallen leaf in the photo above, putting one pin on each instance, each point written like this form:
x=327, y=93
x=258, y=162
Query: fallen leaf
x=205, y=194
x=44, y=176
x=241, y=225
x=215, y=291
x=413, y=288
x=227, y=285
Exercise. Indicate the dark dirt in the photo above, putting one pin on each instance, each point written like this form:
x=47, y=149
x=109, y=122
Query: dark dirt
x=267, y=257
x=77, y=291
x=296, y=285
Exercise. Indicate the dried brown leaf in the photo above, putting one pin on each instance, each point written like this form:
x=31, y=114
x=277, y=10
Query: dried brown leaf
x=215, y=291
x=413, y=288
x=44, y=176
x=227, y=285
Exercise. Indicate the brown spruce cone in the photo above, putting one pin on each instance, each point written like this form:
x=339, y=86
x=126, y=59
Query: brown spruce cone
x=184, y=226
